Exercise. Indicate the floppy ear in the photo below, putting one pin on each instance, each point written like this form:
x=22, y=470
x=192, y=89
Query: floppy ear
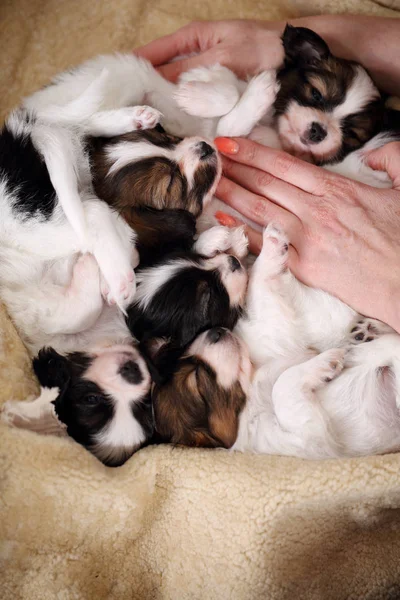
x=303, y=47
x=51, y=368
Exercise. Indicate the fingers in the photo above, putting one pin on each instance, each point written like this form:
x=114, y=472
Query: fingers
x=257, y=209
x=161, y=51
x=309, y=178
x=387, y=159
x=265, y=185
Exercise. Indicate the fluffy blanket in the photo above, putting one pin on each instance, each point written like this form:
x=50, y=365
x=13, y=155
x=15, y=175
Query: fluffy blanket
x=175, y=523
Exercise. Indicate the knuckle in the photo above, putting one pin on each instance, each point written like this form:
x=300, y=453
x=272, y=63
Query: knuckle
x=283, y=163
x=263, y=180
x=250, y=152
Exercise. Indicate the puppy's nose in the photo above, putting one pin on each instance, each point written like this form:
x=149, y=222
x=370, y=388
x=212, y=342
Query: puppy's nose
x=316, y=133
x=215, y=335
x=130, y=371
x=235, y=264
x=204, y=150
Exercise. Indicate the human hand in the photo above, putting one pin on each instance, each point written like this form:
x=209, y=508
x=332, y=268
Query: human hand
x=345, y=236
x=245, y=47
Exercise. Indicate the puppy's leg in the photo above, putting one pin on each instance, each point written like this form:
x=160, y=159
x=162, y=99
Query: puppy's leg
x=112, y=244
x=109, y=123
x=208, y=91
x=37, y=415
x=222, y=239
x=296, y=406
x=256, y=101
x=56, y=309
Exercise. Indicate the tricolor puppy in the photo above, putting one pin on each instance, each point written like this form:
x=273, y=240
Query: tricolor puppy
x=100, y=398
x=186, y=293
x=302, y=375
x=323, y=109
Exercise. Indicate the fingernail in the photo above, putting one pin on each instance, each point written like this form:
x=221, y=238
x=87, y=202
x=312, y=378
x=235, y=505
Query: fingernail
x=225, y=219
x=226, y=145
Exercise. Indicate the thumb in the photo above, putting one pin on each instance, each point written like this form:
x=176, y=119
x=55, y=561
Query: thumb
x=387, y=159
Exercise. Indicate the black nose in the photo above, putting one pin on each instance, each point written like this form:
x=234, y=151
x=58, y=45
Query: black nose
x=131, y=372
x=216, y=334
x=316, y=133
x=205, y=150
x=235, y=264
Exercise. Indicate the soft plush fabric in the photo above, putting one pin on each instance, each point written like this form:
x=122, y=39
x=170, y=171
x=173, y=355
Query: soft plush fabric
x=175, y=523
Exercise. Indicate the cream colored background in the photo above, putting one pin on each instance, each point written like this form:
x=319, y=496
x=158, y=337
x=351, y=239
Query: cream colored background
x=174, y=523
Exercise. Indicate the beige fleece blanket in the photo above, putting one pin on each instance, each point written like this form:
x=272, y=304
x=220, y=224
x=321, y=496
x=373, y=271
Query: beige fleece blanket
x=175, y=523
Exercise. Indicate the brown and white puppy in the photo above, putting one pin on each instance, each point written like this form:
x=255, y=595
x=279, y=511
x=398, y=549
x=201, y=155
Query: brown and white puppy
x=151, y=168
x=200, y=404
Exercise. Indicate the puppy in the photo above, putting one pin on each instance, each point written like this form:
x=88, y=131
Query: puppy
x=323, y=109
x=302, y=375
x=186, y=293
x=100, y=398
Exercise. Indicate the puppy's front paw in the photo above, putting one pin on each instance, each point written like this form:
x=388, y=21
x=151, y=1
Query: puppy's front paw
x=119, y=289
x=145, y=117
x=213, y=241
x=239, y=242
x=275, y=241
x=367, y=330
x=207, y=100
x=262, y=91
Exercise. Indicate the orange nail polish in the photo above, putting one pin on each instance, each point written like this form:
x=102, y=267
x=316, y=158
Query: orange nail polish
x=226, y=145
x=225, y=219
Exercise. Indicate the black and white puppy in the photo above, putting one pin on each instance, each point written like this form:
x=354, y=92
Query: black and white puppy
x=100, y=398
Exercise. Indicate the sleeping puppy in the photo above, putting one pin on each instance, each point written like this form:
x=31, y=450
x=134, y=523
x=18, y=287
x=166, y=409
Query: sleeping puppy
x=184, y=293
x=99, y=398
x=302, y=375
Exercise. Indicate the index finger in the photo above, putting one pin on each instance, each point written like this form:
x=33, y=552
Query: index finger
x=309, y=178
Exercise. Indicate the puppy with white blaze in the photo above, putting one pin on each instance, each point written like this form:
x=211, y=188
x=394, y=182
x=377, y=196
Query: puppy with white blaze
x=302, y=375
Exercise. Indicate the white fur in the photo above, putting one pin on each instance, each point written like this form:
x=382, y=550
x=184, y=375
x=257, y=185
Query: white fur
x=298, y=339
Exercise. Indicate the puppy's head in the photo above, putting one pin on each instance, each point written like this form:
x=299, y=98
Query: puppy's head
x=326, y=107
x=104, y=399
x=200, y=405
x=152, y=168
x=181, y=297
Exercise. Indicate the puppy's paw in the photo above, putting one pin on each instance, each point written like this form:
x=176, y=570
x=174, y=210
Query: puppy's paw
x=213, y=241
x=119, y=289
x=206, y=99
x=326, y=367
x=209, y=75
x=367, y=330
x=263, y=89
x=239, y=242
x=145, y=117
x=275, y=243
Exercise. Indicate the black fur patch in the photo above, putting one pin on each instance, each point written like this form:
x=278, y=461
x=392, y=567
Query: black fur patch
x=26, y=176
x=190, y=302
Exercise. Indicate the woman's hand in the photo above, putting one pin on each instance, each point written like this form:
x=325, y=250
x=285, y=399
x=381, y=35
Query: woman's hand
x=345, y=236
x=246, y=47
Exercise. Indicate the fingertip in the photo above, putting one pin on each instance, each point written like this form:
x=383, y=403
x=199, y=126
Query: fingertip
x=226, y=145
x=226, y=220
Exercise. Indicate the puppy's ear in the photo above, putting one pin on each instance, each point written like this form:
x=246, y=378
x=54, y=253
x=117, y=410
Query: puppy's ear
x=51, y=368
x=303, y=47
x=161, y=357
